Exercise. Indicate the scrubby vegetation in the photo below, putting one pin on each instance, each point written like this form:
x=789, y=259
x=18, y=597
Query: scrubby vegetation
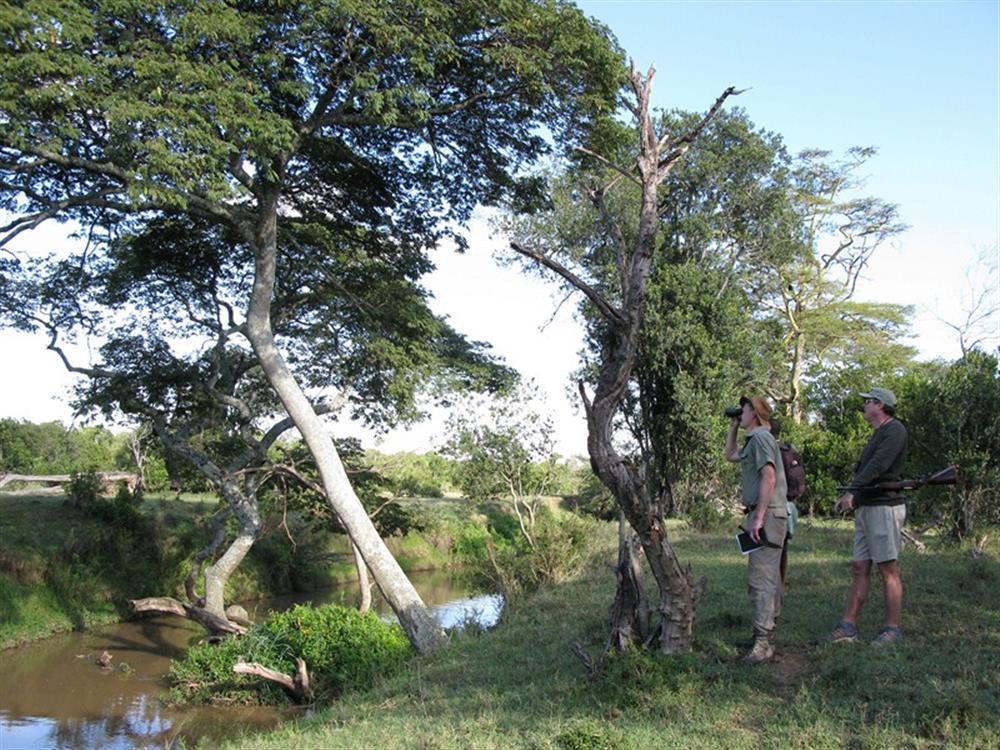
x=342, y=648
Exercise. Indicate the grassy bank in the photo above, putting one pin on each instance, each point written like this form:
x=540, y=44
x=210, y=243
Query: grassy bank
x=62, y=568
x=520, y=686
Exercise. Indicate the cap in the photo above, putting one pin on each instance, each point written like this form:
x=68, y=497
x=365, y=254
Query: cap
x=884, y=395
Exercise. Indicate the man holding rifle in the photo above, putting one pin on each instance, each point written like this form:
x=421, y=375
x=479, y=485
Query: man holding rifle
x=878, y=519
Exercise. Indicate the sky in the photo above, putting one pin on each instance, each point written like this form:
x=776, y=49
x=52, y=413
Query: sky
x=918, y=80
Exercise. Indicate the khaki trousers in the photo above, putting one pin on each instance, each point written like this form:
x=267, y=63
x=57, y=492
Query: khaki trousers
x=764, y=572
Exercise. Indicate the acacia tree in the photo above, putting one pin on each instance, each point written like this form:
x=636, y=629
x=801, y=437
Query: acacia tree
x=633, y=247
x=812, y=297
x=344, y=128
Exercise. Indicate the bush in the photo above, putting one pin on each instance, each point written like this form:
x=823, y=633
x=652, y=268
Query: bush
x=594, y=499
x=502, y=560
x=704, y=515
x=342, y=648
x=84, y=488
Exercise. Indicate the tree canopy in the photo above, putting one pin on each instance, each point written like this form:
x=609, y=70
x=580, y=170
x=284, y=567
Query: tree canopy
x=325, y=146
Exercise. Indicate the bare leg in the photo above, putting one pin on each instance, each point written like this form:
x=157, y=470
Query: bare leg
x=893, y=584
x=858, y=593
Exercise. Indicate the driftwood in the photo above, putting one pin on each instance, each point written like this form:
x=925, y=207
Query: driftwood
x=979, y=549
x=104, y=661
x=912, y=539
x=297, y=684
x=213, y=623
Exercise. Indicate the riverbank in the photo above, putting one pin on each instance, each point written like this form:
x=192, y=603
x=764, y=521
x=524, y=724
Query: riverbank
x=63, y=569
x=521, y=686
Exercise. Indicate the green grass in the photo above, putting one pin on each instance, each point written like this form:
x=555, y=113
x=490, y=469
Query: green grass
x=520, y=686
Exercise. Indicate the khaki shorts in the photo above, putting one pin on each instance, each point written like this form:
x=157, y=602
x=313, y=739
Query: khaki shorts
x=878, y=532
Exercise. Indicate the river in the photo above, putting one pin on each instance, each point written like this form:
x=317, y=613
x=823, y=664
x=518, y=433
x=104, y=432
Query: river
x=54, y=696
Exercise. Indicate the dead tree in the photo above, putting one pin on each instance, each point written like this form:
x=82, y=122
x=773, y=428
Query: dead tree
x=626, y=478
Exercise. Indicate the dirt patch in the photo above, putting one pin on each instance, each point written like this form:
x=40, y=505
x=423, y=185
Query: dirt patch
x=790, y=665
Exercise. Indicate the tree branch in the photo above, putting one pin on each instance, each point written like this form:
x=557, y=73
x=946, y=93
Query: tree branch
x=612, y=315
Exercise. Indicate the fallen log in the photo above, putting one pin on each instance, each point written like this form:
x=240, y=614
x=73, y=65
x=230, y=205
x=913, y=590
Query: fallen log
x=213, y=623
x=297, y=684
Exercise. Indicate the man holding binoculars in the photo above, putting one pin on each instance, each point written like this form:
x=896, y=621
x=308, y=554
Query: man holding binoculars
x=764, y=494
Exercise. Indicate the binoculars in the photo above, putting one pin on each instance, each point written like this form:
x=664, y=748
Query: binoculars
x=733, y=411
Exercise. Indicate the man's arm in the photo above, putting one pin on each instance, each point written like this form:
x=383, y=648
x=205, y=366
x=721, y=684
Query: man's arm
x=732, y=452
x=768, y=478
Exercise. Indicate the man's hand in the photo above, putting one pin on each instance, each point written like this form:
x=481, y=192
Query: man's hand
x=844, y=504
x=755, y=525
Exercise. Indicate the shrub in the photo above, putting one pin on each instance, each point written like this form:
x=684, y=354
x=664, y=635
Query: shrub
x=84, y=488
x=704, y=515
x=594, y=499
x=502, y=560
x=342, y=648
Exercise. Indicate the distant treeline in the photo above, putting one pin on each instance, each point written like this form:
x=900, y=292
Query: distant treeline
x=951, y=409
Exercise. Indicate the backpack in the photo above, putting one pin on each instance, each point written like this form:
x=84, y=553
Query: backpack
x=795, y=472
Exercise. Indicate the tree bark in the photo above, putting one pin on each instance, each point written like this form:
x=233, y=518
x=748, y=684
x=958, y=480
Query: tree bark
x=420, y=626
x=364, y=587
x=629, y=610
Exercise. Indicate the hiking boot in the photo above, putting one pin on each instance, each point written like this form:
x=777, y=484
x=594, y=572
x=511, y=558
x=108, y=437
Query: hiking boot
x=844, y=632
x=887, y=636
x=763, y=650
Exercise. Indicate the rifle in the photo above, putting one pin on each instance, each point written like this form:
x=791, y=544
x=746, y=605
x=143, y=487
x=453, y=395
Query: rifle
x=947, y=475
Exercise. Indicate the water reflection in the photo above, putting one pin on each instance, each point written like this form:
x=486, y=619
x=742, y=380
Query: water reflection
x=53, y=696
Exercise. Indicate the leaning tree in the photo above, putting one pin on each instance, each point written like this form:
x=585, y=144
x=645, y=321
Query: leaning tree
x=632, y=246
x=173, y=357
x=338, y=129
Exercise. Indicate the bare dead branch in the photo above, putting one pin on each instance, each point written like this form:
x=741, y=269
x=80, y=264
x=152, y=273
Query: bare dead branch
x=612, y=315
x=297, y=685
x=610, y=164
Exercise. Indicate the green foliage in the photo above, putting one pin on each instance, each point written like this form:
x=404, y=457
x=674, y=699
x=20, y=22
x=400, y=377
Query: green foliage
x=594, y=498
x=343, y=649
x=372, y=486
x=51, y=448
x=501, y=559
x=588, y=735
x=952, y=413
x=704, y=515
x=415, y=474
x=83, y=489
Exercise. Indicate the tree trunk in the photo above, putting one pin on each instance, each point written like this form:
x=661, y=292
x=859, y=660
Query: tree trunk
x=218, y=573
x=795, y=380
x=421, y=628
x=364, y=587
x=629, y=610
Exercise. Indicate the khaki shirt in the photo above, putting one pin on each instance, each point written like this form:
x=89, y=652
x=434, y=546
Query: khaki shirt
x=759, y=450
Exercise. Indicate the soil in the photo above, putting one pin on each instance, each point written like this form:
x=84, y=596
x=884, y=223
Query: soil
x=790, y=665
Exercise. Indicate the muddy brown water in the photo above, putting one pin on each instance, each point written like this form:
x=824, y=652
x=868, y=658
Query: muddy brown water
x=54, y=696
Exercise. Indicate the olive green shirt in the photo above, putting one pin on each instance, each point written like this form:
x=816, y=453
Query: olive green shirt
x=760, y=450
